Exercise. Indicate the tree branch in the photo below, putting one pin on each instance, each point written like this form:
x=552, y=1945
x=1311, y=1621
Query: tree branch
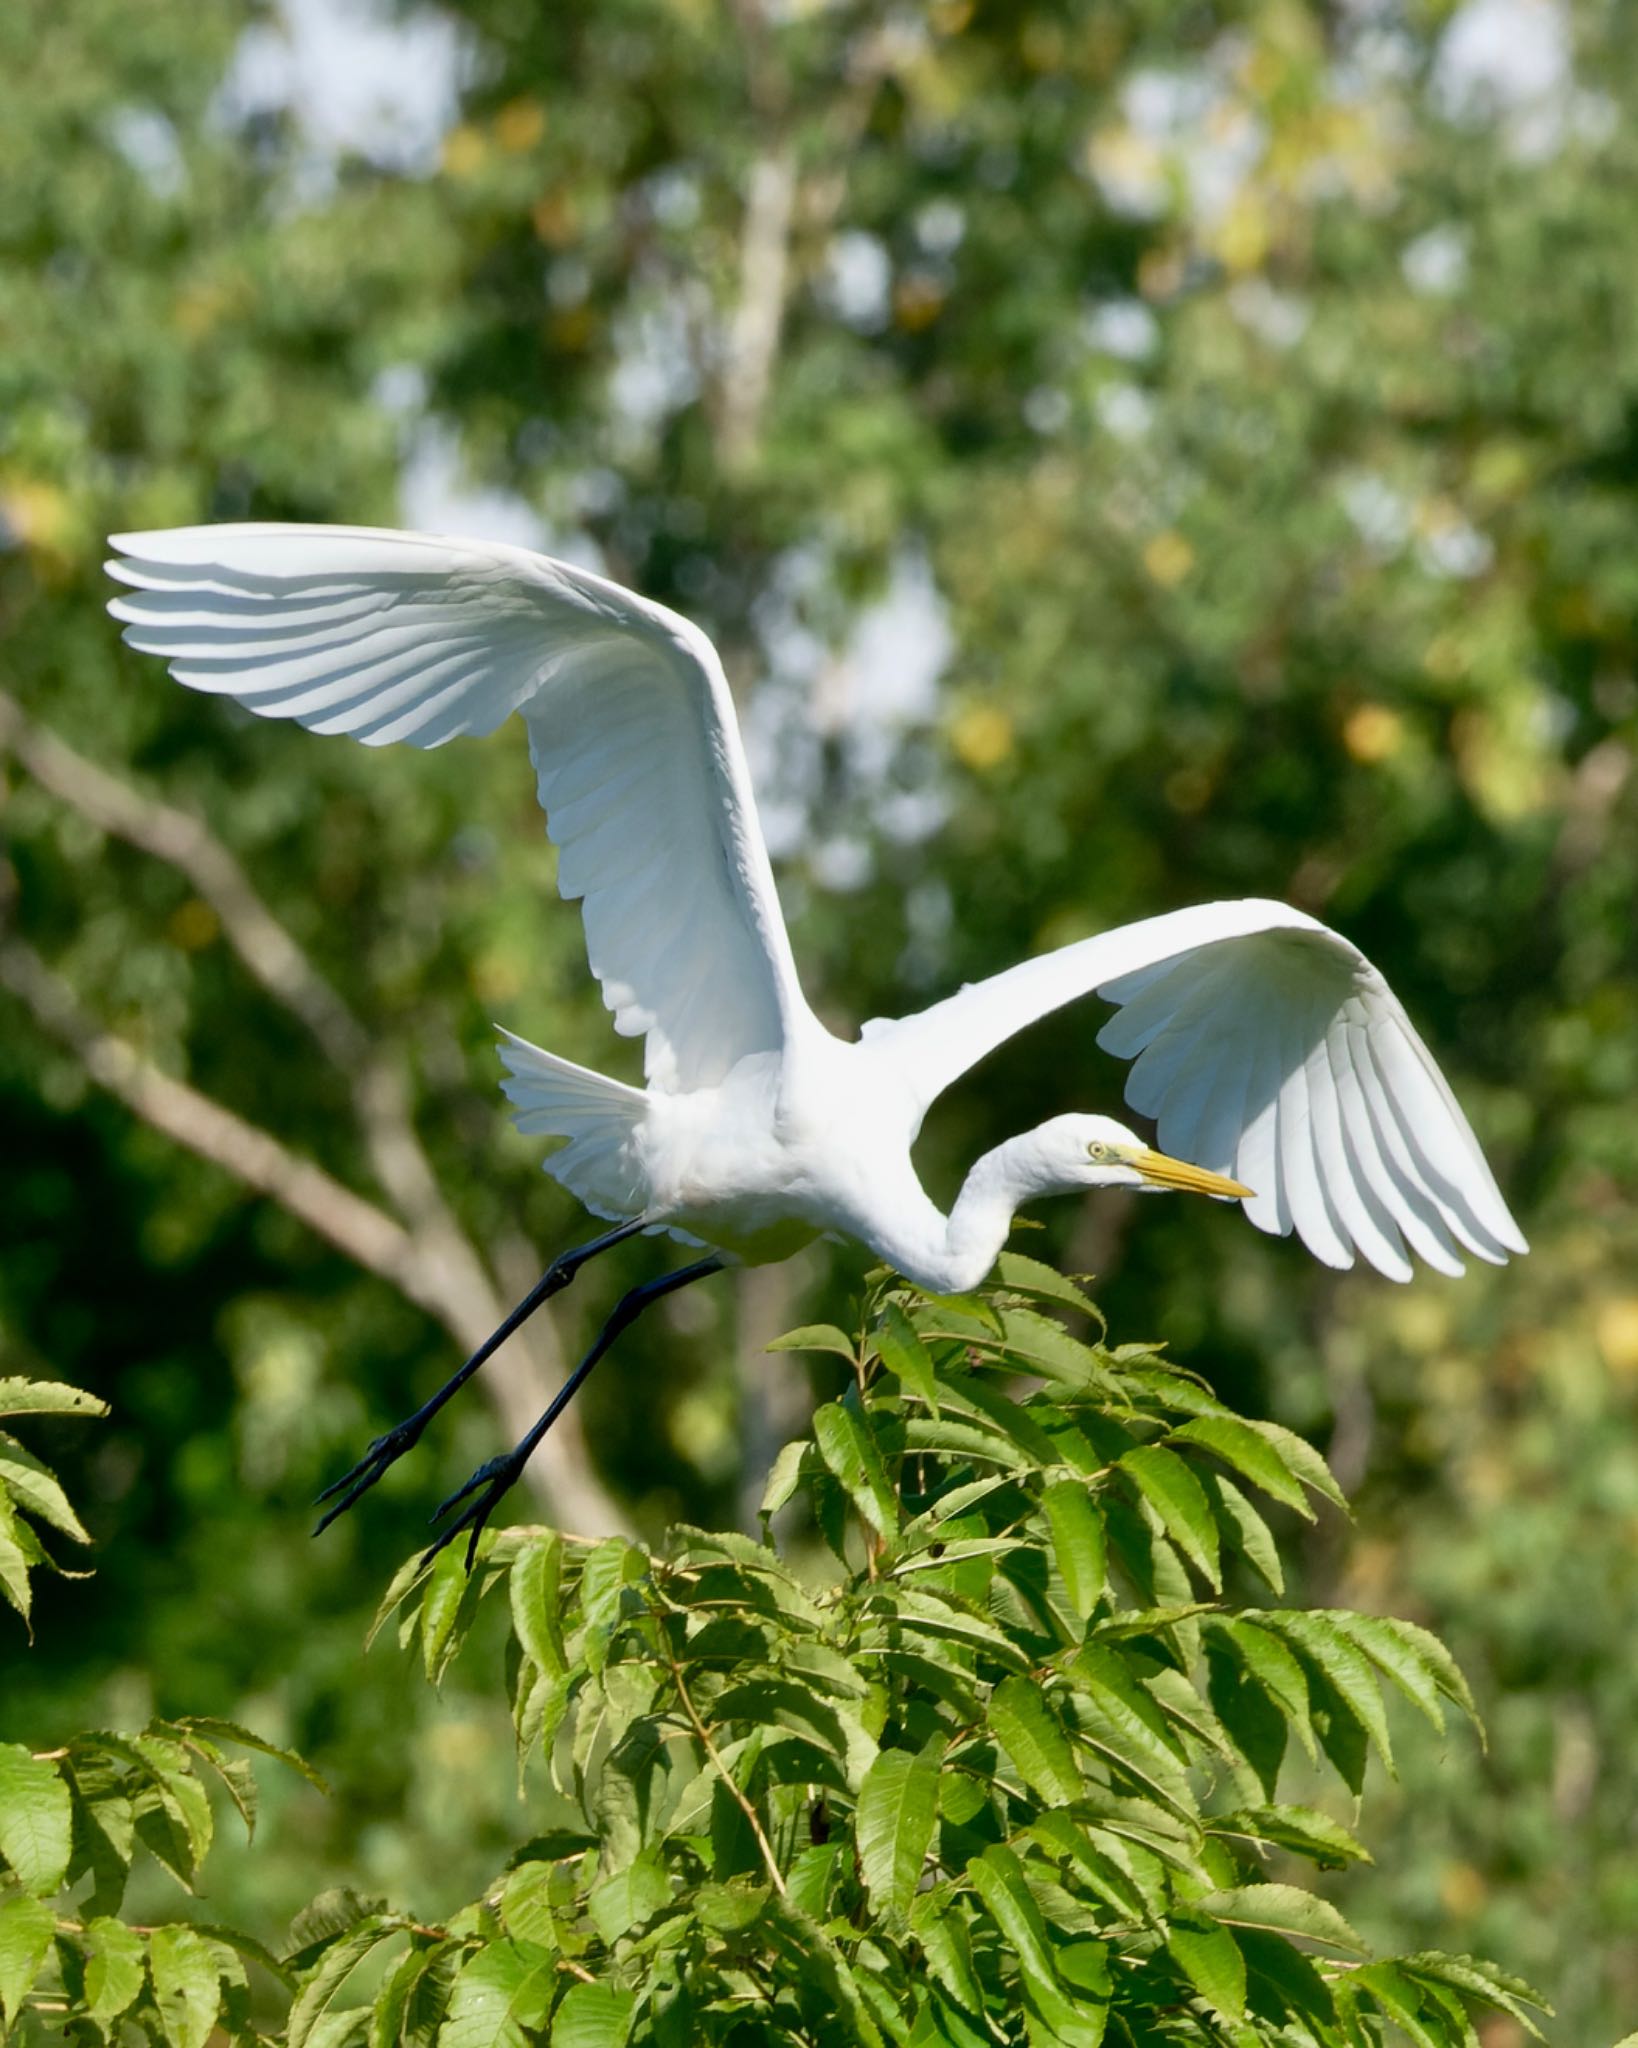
x=437, y=1265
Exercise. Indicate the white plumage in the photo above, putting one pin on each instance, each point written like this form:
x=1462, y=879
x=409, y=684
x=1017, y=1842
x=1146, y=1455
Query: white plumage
x=1264, y=1046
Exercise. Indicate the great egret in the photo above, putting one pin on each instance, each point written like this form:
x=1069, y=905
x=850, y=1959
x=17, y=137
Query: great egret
x=1266, y=1047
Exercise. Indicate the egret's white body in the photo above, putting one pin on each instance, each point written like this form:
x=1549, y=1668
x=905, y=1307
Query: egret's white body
x=1266, y=1047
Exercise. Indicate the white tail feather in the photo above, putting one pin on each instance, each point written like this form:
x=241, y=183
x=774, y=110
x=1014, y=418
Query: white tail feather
x=600, y=1118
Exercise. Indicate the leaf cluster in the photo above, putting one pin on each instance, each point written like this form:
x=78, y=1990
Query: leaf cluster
x=1011, y=1775
x=1008, y=1772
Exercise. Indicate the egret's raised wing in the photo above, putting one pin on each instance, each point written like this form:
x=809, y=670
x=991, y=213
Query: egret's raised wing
x=402, y=636
x=1268, y=1048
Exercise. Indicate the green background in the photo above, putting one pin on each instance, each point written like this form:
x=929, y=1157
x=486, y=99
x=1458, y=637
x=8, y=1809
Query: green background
x=1236, y=405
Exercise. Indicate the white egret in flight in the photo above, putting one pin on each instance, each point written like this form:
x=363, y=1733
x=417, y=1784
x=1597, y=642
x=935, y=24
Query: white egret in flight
x=1265, y=1047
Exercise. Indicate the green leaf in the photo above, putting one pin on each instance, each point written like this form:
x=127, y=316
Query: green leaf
x=1347, y=1669
x=1245, y=1528
x=1415, y=1659
x=629, y=1898
x=1209, y=1958
x=1303, y=1460
x=501, y=1998
x=849, y=1448
x=1023, y=1723
x=784, y=1478
x=113, y=1968
x=187, y=1988
x=1172, y=1490
x=1078, y=1544
x=591, y=2016
x=335, y=1965
x=1029, y=1276
x=440, y=1609
x=26, y=1927
x=1303, y=1830
x=893, y=1828
x=19, y=1550
x=1250, y=1453
x=1400, y=1999
x=939, y=1923
x=36, y=1819
x=1483, y=1981
x=47, y=1397
x=1283, y=1909
x=817, y=1337
x=533, y=1590
x=899, y=1347
x=998, y=1879
x=35, y=1488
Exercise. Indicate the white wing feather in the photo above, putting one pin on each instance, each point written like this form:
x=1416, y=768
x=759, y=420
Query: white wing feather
x=1264, y=1046
x=397, y=636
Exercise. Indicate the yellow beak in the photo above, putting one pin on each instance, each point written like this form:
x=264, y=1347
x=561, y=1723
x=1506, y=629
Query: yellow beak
x=1165, y=1172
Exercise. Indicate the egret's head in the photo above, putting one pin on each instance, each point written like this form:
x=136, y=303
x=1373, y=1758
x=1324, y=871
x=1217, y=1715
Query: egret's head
x=1097, y=1152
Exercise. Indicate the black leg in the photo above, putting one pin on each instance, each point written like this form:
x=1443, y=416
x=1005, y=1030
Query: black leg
x=387, y=1450
x=500, y=1474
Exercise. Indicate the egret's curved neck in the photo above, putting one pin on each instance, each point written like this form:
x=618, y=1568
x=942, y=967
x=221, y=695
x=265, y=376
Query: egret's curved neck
x=949, y=1255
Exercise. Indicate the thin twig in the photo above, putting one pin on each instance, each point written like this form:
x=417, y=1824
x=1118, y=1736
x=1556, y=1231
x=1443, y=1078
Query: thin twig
x=727, y=1777
x=445, y=1275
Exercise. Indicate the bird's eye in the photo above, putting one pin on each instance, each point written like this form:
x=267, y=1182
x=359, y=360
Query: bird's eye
x=1097, y=1149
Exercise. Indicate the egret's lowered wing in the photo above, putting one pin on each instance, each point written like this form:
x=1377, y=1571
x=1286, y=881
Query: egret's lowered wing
x=1268, y=1048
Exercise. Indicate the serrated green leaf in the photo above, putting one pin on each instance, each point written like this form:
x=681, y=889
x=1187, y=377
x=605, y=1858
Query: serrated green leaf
x=501, y=1997
x=440, y=1609
x=187, y=1989
x=997, y=1877
x=47, y=1397
x=1209, y=1958
x=322, y=1983
x=1283, y=1909
x=1347, y=1668
x=629, y=1898
x=1078, y=1544
x=1022, y=1721
x=26, y=1928
x=19, y=1551
x=1303, y=1830
x=591, y=2016
x=816, y=1337
x=893, y=1828
x=113, y=1968
x=1164, y=1480
x=1245, y=1528
x=533, y=1590
x=1483, y=1981
x=900, y=1349
x=938, y=1922
x=1413, y=1658
x=849, y=1449
x=1029, y=1276
x=34, y=1487
x=219, y=1730
x=784, y=1477
x=1303, y=1460
x=1400, y=1999
x=1251, y=1454
x=36, y=1819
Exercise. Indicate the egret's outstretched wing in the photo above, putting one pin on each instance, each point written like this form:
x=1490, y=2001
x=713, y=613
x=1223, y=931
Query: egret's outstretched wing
x=402, y=636
x=1268, y=1048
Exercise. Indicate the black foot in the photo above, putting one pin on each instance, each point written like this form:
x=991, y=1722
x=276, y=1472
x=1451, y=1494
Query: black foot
x=496, y=1479
x=382, y=1455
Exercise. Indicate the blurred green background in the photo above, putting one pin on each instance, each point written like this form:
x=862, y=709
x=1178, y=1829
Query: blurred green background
x=1128, y=454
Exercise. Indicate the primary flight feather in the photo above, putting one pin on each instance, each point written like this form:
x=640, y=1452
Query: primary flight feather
x=1279, y=1067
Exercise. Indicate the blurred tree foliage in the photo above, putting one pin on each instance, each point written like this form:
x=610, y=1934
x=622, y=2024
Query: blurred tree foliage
x=1255, y=387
